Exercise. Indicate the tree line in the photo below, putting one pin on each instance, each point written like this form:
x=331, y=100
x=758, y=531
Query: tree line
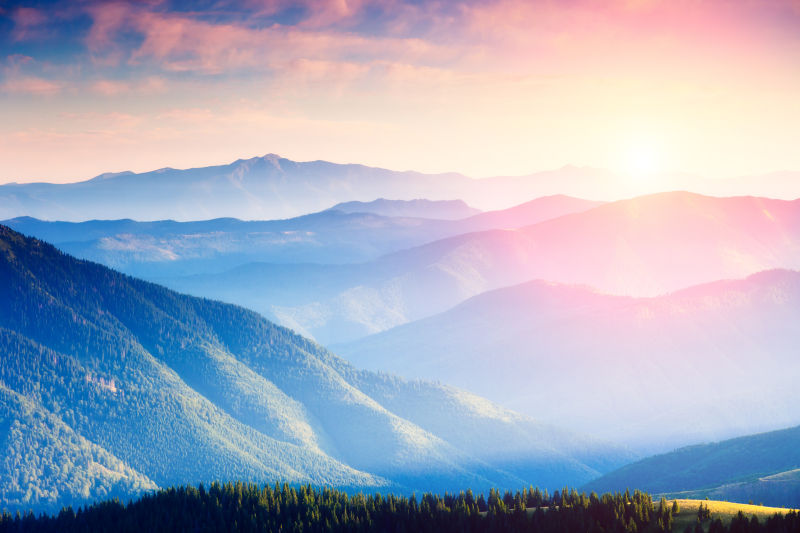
x=305, y=509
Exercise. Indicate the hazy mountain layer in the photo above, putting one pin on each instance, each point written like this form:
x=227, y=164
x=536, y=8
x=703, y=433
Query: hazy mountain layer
x=723, y=356
x=133, y=385
x=764, y=468
x=162, y=249
x=641, y=247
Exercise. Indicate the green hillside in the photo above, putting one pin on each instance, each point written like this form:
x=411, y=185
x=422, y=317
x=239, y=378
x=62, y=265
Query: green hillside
x=761, y=468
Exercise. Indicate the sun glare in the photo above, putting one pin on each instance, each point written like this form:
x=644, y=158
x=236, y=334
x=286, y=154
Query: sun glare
x=642, y=159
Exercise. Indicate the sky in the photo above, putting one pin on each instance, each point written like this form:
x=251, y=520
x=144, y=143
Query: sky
x=497, y=87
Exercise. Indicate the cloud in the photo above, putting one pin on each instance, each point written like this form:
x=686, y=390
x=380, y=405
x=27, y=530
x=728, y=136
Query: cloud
x=178, y=42
x=544, y=37
x=109, y=87
x=29, y=24
x=19, y=79
x=107, y=20
x=31, y=85
x=15, y=61
x=148, y=86
x=317, y=13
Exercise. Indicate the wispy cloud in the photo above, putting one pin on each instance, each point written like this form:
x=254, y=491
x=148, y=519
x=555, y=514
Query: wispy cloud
x=17, y=80
x=185, y=43
x=29, y=24
x=148, y=86
x=30, y=85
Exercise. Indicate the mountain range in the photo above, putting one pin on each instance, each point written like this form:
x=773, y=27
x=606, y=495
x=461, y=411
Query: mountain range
x=448, y=306
x=110, y=386
x=643, y=246
x=307, y=273
x=272, y=187
x=656, y=320
x=164, y=249
x=260, y=188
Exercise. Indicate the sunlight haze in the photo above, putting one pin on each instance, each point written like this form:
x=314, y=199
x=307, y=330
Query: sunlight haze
x=483, y=88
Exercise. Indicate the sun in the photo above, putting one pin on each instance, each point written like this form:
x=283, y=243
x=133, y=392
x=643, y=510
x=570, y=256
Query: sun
x=642, y=159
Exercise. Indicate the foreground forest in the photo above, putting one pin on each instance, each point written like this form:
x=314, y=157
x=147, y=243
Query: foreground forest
x=248, y=507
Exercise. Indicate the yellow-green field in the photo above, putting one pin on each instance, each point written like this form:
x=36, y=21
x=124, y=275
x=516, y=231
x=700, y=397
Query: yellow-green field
x=725, y=511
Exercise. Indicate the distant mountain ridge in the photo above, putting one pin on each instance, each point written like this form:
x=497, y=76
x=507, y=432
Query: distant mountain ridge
x=531, y=212
x=272, y=187
x=417, y=208
x=260, y=188
x=763, y=468
x=110, y=385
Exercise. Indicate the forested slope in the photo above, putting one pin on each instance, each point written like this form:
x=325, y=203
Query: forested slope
x=168, y=389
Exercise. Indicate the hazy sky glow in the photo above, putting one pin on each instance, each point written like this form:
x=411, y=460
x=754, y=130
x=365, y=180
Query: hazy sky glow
x=485, y=88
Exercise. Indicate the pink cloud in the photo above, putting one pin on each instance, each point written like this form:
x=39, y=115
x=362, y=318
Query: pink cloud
x=31, y=85
x=327, y=12
x=320, y=13
x=188, y=115
x=109, y=88
x=19, y=80
x=29, y=23
x=17, y=60
x=107, y=20
x=178, y=42
x=150, y=85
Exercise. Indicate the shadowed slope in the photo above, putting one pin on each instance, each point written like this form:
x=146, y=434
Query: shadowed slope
x=762, y=468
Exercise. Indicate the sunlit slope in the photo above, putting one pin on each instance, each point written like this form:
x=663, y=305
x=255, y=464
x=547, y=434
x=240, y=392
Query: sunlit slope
x=531, y=212
x=640, y=247
x=722, y=355
x=664, y=242
x=181, y=389
x=762, y=468
x=44, y=460
x=722, y=510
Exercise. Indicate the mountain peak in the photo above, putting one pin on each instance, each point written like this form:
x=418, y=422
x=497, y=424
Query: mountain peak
x=111, y=175
x=269, y=160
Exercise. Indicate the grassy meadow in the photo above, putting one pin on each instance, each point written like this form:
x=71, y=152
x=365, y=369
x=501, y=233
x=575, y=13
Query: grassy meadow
x=725, y=511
